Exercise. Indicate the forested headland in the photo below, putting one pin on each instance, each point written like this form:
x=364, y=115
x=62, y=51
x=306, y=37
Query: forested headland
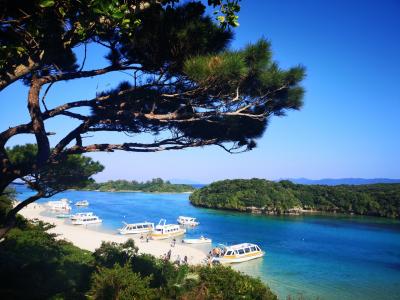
x=284, y=197
x=156, y=185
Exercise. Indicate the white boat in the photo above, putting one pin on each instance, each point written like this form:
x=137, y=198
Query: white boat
x=144, y=227
x=82, y=203
x=189, y=221
x=63, y=216
x=164, y=231
x=201, y=240
x=60, y=205
x=85, y=218
x=81, y=215
x=237, y=253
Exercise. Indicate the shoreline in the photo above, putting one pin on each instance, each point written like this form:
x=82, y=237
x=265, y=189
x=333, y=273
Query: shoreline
x=302, y=212
x=129, y=191
x=89, y=239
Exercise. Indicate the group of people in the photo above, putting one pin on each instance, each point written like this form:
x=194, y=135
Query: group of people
x=142, y=238
x=216, y=252
x=178, y=261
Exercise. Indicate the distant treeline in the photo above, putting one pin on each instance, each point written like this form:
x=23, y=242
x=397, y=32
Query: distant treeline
x=154, y=185
x=263, y=196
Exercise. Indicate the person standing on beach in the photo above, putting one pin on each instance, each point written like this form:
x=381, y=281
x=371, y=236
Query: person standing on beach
x=169, y=254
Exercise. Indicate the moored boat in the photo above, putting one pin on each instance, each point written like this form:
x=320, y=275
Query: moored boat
x=201, y=240
x=237, y=253
x=82, y=203
x=63, y=216
x=134, y=228
x=164, y=231
x=188, y=221
x=81, y=215
x=85, y=219
x=60, y=205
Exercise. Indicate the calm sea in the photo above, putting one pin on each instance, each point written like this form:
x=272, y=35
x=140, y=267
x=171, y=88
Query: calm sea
x=322, y=257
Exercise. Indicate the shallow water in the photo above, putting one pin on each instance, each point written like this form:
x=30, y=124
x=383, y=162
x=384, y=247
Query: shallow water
x=325, y=257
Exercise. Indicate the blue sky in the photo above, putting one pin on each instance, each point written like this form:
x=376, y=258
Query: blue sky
x=348, y=127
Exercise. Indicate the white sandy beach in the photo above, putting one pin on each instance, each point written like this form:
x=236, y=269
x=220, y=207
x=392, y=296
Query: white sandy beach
x=85, y=238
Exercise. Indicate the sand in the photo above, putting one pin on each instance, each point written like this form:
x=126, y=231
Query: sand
x=89, y=239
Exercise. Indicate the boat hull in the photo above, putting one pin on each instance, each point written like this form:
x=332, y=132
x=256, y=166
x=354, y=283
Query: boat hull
x=156, y=236
x=138, y=231
x=238, y=259
x=79, y=222
x=191, y=224
x=197, y=241
x=63, y=216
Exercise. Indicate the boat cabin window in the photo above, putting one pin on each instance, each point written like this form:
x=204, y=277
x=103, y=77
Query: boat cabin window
x=247, y=250
x=241, y=251
x=229, y=253
x=253, y=248
x=258, y=248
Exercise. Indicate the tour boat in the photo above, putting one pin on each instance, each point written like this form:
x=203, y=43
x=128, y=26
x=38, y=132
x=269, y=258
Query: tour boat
x=63, y=216
x=82, y=203
x=85, y=218
x=145, y=227
x=81, y=215
x=189, y=221
x=164, y=231
x=237, y=253
x=60, y=205
x=201, y=240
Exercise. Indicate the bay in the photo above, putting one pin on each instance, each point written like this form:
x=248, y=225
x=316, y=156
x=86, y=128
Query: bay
x=312, y=256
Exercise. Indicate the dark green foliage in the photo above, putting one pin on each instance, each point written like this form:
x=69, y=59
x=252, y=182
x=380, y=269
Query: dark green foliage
x=162, y=275
x=221, y=282
x=119, y=283
x=74, y=171
x=48, y=30
x=167, y=37
x=184, y=282
x=33, y=265
x=154, y=185
x=111, y=253
x=285, y=197
x=6, y=201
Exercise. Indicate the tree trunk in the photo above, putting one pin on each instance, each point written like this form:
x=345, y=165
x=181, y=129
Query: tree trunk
x=37, y=122
x=5, y=181
x=6, y=228
x=10, y=221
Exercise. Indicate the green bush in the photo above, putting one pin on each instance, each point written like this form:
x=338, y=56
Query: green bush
x=36, y=266
x=120, y=283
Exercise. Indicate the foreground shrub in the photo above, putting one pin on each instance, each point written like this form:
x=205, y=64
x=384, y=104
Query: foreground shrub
x=34, y=265
x=220, y=282
x=119, y=283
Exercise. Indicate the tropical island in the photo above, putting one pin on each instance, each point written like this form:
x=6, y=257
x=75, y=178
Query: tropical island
x=156, y=185
x=284, y=197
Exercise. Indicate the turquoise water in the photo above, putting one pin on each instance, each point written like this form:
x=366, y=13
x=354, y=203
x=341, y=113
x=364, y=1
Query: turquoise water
x=321, y=257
